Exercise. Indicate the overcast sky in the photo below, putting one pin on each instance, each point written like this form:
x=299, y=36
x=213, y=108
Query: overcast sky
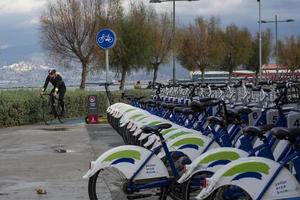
x=19, y=20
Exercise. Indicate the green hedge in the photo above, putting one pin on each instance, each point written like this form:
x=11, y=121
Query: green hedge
x=21, y=107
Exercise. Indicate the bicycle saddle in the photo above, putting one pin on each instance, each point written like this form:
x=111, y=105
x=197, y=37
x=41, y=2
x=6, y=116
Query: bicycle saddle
x=267, y=90
x=206, y=99
x=188, y=111
x=150, y=103
x=256, y=89
x=216, y=120
x=282, y=133
x=243, y=110
x=258, y=131
x=212, y=103
x=168, y=105
x=139, y=98
x=197, y=106
x=158, y=103
x=156, y=129
x=233, y=114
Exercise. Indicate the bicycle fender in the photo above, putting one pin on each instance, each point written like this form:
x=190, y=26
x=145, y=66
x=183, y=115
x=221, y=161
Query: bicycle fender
x=119, y=107
x=151, y=140
x=178, y=132
x=113, y=107
x=144, y=136
x=211, y=161
x=172, y=134
x=132, y=115
x=252, y=174
x=192, y=145
x=128, y=159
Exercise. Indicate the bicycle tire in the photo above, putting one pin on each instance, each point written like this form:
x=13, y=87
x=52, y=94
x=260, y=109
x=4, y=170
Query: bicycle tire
x=61, y=117
x=46, y=113
x=107, y=184
x=193, y=187
x=110, y=184
x=219, y=194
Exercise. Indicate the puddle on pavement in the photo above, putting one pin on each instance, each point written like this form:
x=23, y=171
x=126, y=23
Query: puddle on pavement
x=61, y=148
x=54, y=129
x=64, y=151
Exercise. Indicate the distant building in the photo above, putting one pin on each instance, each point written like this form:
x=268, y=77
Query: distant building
x=269, y=72
x=221, y=76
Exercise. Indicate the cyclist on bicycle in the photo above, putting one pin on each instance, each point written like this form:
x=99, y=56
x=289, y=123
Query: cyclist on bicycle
x=59, y=87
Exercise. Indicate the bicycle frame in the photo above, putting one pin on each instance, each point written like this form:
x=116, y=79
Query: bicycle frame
x=163, y=183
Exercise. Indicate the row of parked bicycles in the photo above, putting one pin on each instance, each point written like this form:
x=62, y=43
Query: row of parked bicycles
x=199, y=141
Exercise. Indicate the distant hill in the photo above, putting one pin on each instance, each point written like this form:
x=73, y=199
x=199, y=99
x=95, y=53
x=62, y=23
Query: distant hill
x=29, y=74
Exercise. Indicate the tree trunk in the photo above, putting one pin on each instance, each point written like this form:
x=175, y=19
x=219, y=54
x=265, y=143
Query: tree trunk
x=83, y=75
x=123, y=75
x=256, y=77
x=202, y=75
x=155, y=72
x=293, y=74
x=229, y=78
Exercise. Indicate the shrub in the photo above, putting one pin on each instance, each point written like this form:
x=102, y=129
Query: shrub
x=21, y=107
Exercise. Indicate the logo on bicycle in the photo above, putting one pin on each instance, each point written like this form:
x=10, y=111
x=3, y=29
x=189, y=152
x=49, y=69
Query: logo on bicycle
x=106, y=38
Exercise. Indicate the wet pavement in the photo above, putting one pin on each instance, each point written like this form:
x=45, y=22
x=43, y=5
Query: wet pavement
x=48, y=162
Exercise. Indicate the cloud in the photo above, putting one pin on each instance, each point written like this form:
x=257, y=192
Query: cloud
x=28, y=23
x=4, y=46
x=20, y=6
x=203, y=6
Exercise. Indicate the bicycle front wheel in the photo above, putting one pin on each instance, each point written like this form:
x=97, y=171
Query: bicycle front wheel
x=230, y=192
x=195, y=185
x=107, y=184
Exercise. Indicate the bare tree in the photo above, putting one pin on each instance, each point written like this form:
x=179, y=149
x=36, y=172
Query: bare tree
x=253, y=63
x=289, y=53
x=200, y=45
x=68, y=29
x=161, y=31
x=237, y=48
x=132, y=51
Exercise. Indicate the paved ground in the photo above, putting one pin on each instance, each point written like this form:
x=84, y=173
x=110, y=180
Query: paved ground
x=28, y=159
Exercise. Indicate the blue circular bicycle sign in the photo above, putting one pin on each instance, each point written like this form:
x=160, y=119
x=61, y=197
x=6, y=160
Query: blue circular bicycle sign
x=106, y=38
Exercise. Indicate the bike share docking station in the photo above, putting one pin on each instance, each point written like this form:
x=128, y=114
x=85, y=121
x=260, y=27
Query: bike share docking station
x=93, y=110
x=105, y=39
x=92, y=119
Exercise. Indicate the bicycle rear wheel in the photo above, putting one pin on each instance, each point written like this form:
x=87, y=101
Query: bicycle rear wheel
x=61, y=116
x=47, y=113
x=107, y=184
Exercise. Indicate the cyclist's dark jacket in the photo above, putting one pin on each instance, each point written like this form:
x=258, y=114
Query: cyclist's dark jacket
x=57, y=82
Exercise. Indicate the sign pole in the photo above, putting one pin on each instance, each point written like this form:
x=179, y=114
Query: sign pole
x=107, y=69
x=107, y=64
x=106, y=39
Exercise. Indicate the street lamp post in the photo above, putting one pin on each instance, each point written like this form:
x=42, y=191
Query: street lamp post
x=173, y=44
x=276, y=21
x=173, y=32
x=260, y=45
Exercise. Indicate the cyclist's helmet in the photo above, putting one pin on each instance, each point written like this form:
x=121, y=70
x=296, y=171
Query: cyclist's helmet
x=51, y=71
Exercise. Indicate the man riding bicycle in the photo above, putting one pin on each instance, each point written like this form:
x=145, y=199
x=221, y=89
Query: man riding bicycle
x=59, y=87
